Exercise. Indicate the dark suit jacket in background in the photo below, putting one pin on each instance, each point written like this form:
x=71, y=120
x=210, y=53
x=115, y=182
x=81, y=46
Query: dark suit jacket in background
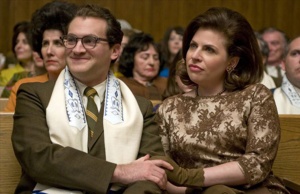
x=66, y=167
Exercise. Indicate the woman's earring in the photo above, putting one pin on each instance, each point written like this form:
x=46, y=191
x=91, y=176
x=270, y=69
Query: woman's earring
x=229, y=69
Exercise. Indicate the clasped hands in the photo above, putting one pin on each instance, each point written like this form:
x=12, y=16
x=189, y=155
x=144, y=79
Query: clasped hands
x=160, y=170
x=179, y=176
x=142, y=169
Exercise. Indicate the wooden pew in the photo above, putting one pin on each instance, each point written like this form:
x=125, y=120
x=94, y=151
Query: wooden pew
x=287, y=162
x=3, y=102
x=156, y=102
x=10, y=170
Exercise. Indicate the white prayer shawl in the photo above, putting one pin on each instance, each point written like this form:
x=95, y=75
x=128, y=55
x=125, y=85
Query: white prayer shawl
x=273, y=70
x=268, y=81
x=287, y=98
x=283, y=104
x=122, y=138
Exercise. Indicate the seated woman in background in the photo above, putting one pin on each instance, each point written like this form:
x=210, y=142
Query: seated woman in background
x=170, y=45
x=223, y=135
x=22, y=49
x=49, y=24
x=140, y=64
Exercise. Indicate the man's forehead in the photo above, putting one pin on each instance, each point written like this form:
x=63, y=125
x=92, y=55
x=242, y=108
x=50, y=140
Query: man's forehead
x=88, y=19
x=88, y=25
x=273, y=35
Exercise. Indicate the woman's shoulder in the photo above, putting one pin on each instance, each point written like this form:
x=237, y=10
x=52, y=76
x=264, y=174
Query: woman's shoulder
x=258, y=89
x=175, y=100
x=16, y=68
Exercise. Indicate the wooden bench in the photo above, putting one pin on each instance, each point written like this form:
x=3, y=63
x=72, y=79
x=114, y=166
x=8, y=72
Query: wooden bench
x=3, y=102
x=10, y=170
x=287, y=162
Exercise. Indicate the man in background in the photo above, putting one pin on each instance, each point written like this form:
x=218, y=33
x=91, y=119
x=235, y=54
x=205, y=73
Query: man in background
x=287, y=97
x=277, y=41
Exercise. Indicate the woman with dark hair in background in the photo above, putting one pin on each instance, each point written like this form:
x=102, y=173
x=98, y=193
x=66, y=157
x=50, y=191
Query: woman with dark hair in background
x=26, y=66
x=140, y=64
x=170, y=45
x=49, y=23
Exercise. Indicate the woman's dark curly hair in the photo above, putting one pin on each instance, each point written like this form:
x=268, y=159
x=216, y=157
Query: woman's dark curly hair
x=241, y=42
x=137, y=42
x=21, y=27
x=164, y=45
x=55, y=15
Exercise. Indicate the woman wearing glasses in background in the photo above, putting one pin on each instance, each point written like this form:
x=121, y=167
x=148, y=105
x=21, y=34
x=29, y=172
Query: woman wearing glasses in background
x=49, y=24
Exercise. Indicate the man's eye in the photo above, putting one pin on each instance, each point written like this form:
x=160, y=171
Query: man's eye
x=71, y=39
x=89, y=40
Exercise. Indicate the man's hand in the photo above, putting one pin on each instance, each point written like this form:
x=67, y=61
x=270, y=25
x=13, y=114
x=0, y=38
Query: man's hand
x=143, y=169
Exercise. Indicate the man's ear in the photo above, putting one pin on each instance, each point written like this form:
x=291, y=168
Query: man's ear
x=116, y=51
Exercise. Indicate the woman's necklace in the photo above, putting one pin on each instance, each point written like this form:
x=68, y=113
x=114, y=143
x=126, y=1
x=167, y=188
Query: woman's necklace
x=218, y=94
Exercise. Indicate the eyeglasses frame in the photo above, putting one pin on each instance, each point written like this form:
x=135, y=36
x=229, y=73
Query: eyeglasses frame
x=64, y=37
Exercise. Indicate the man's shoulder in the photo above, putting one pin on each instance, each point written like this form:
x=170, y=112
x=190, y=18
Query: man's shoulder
x=36, y=84
x=39, y=78
x=144, y=103
x=37, y=90
x=142, y=100
x=38, y=87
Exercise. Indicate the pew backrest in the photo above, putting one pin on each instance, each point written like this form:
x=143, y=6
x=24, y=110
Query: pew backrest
x=10, y=170
x=287, y=161
x=3, y=102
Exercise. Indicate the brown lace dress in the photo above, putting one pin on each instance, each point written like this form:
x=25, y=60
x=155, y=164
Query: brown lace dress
x=239, y=126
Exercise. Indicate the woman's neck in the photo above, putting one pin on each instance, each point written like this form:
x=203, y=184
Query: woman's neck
x=28, y=66
x=142, y=81
x=210, y=92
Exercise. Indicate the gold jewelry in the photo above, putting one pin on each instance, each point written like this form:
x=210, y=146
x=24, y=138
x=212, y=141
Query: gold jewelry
x=229, y=69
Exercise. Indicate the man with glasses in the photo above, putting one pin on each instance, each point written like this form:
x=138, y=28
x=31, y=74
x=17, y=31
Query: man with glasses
x=86, y=132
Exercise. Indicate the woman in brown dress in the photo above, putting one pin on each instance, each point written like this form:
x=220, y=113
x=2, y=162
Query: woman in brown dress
x=227, y=130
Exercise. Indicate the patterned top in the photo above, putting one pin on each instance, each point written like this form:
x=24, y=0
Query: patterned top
x=241, y=126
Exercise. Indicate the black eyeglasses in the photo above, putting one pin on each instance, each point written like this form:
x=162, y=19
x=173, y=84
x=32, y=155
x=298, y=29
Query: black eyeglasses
x=88, y=42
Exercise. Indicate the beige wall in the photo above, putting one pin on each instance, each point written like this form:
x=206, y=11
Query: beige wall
x=154, y=16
